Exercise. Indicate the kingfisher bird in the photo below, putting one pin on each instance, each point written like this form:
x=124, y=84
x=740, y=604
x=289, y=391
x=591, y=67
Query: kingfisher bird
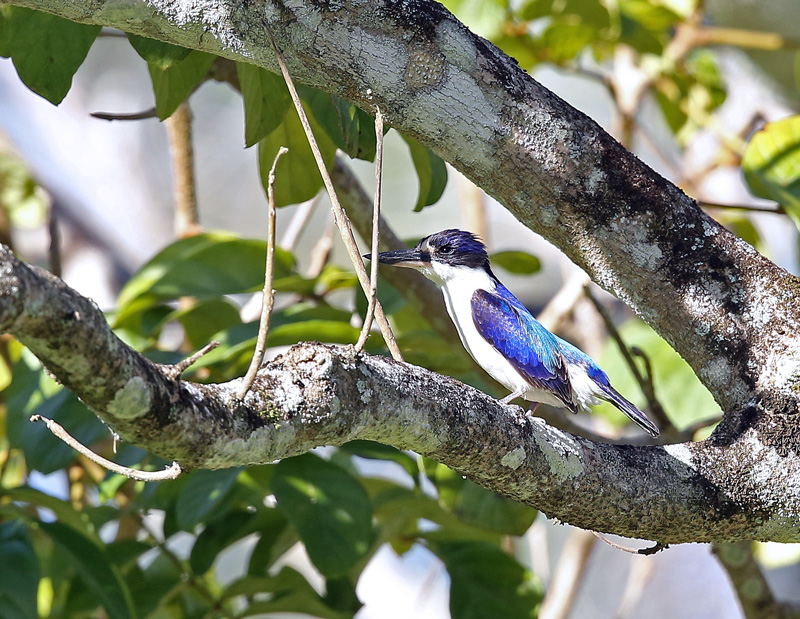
x=502, y=335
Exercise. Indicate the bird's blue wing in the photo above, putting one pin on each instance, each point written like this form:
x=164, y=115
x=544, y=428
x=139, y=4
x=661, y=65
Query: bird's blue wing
x=533, y=351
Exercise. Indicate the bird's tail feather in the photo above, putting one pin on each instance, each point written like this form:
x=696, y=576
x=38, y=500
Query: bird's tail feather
x=634, y=414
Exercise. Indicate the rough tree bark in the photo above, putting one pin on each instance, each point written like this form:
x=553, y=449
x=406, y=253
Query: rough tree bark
x=727, y=310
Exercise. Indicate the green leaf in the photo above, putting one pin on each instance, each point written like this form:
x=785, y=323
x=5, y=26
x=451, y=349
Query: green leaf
x=483, y=508
x=5, y=30
x=518, y=262
x=24, y=198
x=19, y=572
x=291, y=593
x=228, y=265
x=33, y=393
x=63, y=510
x=101, y=576
x=216, y=537
x=485, y=18
x=158, y=54
x=173, y=85
x=431, y=172
x=486, y=583
x=564, y=39
x=350, y=128
x=535, y=9
x=154, y=583
x=266, y=101
x=681, y=393
x=297, y=176
x=330, y=510
x=771, y=164
x=47, y=50
x=204, y=318
x=379, y=451
x=276, y=537
x=201, y=494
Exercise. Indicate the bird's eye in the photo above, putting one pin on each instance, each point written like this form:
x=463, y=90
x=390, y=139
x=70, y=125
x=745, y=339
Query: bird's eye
x=446, y=249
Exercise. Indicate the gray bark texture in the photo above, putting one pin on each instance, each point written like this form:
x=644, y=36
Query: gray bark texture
x=728, y=311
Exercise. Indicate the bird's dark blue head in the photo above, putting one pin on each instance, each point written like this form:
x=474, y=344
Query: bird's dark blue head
x=452, y=247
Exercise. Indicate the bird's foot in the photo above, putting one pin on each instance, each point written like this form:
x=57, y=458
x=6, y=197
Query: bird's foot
x=534, y=406
x=511, y=396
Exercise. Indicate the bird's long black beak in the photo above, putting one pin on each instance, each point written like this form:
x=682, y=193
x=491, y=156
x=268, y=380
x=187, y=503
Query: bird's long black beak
x=410, y=258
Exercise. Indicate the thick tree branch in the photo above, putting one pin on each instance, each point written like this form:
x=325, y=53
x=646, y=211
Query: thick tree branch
x=725, y=308
x=319, y=395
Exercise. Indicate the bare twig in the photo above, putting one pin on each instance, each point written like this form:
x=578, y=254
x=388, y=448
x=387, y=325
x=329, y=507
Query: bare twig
x=299, y=221
x=174, y=371
x=321, y=251
x=568, y=575
x=179, y=131
x=339, y=216
x=776, y=208
x=55, y=242
x=169, y=473
x=645, y=383
x=268, y=296
x=649, y=550
x=151, y=113
x=376, y=218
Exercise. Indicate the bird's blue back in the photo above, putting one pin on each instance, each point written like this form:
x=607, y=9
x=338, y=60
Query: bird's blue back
x=533, y=351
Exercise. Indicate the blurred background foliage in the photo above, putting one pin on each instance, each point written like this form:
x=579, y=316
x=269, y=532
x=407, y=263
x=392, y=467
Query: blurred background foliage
x=295, y=536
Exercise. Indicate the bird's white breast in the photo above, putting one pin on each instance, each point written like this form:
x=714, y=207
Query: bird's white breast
x=458, y=284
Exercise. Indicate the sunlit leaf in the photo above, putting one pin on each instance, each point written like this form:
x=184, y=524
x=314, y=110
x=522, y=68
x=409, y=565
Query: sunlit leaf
x=266, y=101
x=680, y=392
x=47, y=50
x=771, y=164
x=330, y=510
x=26, y=202
x=485, y=18
x=518, y=262
x=431, y=172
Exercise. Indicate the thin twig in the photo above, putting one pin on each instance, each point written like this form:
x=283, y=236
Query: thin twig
x=169, y=473
x=649, y=550
x=55, y=242
x=174, y=371
x=268, y=296
x=376, y=218
x=297, y=224
x=568, y=575
x=151, y=113
x=179, y=132
x=776, y=208
x=321, y=251
x=645, y=384
x=338, y=213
